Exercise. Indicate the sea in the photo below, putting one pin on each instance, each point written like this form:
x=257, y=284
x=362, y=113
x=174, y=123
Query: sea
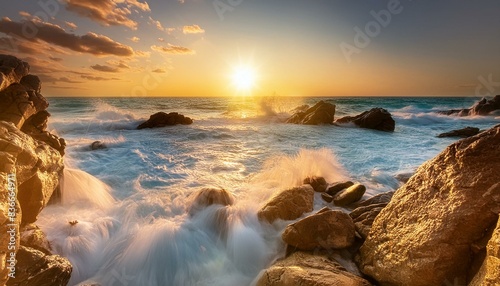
x=127, y=203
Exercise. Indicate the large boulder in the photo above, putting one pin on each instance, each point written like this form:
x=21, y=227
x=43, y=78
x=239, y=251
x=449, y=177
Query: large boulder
x=288, y=205
x=327, y=229
x=482, y=107
x=425, y=235
x=376, y=118
x=35, y=268
x=463, y=133
x=489, y=273
x=305, y=269
x=12, y=70
x=321, y=113
x=162, y=119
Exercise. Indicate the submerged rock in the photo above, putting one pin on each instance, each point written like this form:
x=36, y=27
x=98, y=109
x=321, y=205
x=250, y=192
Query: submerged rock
x=350, y=195
x=302, y=268
x=428, y=229
x=35, y=268
x=98, y=145
x=326, y=229
x=321, y=113
x=162, y=119
x=288, y=205
x=376, y=118
x=463, y=133
x=207, y=197
x=319, y=184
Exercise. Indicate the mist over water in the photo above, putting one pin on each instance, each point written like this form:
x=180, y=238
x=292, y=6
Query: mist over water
x=129, y=200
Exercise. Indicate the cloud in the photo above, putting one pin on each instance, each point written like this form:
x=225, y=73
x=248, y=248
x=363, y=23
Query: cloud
x=89, y=43
x=52, y=79
x=71, y=25
x=118, y=64
x=159, y=71
x=135, y=39
x=98, y=78
x=104, y=68
x=156, y=23
x=175, y=50
x=193, y=29
x=108, y=12
x=55, y=59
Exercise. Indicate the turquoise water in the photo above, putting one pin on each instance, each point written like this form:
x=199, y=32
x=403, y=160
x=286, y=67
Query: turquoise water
x=131, y=200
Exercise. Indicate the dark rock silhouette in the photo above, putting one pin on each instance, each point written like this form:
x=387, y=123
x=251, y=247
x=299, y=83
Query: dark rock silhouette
x=376, y=118
x=162, y=119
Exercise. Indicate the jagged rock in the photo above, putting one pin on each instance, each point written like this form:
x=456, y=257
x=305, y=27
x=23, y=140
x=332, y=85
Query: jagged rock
x=35, y=268
x=207, y=197
x=350, y=195
x=489, y=273
x=12, y=70
x=36, y=127
x=32, y=236
x=16, y=106
x=366, y=212
x=482, y=107
x=97, y=145
x=463, y=133
x=376, y=118
x=162, y=119
x=326, y=229
x=319, y=184
x=37, y=169
x=32, y=82
x=424, y=236
x=288, y=205
x=305, y=269
x=334, y=188
x=321, y=113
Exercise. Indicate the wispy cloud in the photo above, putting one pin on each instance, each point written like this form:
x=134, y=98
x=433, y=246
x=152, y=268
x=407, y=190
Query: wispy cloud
x=193, y=29
x=90, y=43
x=104, y=68
x=135, y=39
x=98, y=78
x=172, y=49
x=159, y=71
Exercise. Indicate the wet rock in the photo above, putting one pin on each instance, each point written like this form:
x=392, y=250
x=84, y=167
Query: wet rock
x=97, y=145
x=32, y=236
x=288, y=205
x=207, y=197
x=489, y=273
x=350, y=195
x=376, y=118
x=482, y=107
x=319, y=184
x=321, y=113
x=35, y=268
x=334, y=188
x=302, y=268
x=463, y=133
x=326, y=229
x=162, y=119
x=326, y=197
x=12, y=70
x=428, y=229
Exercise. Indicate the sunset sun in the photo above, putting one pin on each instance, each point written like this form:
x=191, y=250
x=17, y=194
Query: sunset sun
x=244, y=78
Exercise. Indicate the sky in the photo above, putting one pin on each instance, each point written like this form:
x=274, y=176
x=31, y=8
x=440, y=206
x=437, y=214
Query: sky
x=255, y=47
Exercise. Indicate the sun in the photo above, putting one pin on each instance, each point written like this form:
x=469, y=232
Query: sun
x=244, y=78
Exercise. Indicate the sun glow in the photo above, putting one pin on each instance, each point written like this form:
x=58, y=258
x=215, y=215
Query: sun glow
x=244, y=78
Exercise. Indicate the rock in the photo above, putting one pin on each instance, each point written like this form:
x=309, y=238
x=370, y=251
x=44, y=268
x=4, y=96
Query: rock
x=403, y=177
x=428, y=229
x=12, y=70
x=326, y=197
x=326, y=229
x=350, y=195
x=376, y=118
x=489, y=273
x=337, y=187
x=162, y=119
x=463, y=133
x=32, y=82
x=97, y=145
x=482, y=107
x=383, y=198
x=366, y=212
x=15, y=105
x=288, y=205
x=319, y=184
x=305, y=269
x=37, y=168
x=35, y=268
x=321, y=113
x=32, y=236
x=207, y=197
x=36, y=127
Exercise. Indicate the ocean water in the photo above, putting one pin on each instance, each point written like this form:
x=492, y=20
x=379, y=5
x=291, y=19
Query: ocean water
x=130, y=199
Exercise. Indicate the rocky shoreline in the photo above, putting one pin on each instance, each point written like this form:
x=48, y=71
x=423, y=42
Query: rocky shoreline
x=439, y=228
